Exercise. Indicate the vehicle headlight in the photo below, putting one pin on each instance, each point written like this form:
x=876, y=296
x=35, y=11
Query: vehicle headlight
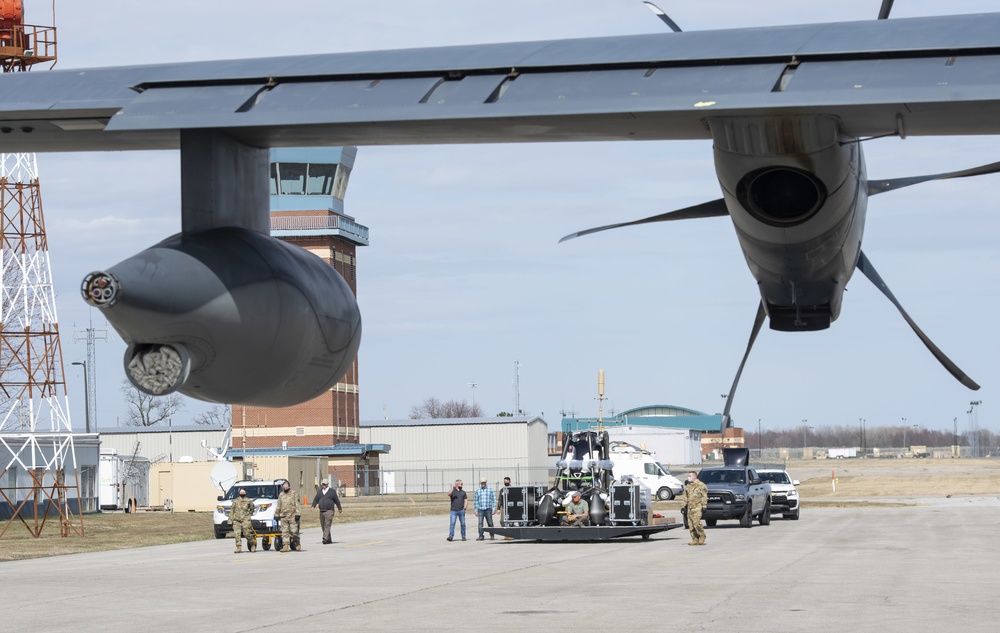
x=220, y=509
x=261, y=507
x=792, y=493
x=741, y=497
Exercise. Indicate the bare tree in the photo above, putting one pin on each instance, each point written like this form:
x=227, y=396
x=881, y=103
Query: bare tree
x=216, y=416
x=434, y=408
x=147, y=410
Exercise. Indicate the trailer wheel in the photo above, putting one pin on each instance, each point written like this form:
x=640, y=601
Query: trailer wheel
x=266, y=543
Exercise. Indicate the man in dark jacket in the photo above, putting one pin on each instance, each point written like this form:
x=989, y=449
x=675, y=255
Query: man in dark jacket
x=326, y=498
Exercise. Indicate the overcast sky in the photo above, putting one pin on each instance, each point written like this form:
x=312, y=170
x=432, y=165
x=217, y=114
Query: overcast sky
x=464, y=277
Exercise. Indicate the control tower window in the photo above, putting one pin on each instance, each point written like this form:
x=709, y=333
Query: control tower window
x=292, y=178
x=320, y=179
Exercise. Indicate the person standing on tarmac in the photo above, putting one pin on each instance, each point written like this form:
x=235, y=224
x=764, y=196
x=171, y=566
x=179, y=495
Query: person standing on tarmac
x=288, y=507
x=239, y=516
x=485, y=505
x=326, y=497
x=695, y=500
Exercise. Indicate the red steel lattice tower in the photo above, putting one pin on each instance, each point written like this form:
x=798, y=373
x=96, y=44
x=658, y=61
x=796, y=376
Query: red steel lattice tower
x=38, y=466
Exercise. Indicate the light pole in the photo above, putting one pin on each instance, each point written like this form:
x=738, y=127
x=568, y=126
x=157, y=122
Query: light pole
x=805, y=429
x=86, y=394
x=760, y=442
x=473, y=385
x=861, y=425
x=904, y=434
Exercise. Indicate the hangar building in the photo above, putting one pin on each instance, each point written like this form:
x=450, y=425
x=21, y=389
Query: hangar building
x=428, y=455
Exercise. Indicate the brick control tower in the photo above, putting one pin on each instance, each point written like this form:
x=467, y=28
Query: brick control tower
x=307, y=209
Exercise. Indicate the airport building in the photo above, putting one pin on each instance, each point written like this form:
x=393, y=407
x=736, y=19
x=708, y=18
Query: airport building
x=307, y=209
x=428, y=455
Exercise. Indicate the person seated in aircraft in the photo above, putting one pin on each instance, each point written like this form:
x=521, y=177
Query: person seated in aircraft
x=577, y=512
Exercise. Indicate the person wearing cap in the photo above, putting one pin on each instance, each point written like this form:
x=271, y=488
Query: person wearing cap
x=239, y=516
x=485, y=504
x=326, y=498
x=577, y=512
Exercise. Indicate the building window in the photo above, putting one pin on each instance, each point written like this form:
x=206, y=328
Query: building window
x=319, y=179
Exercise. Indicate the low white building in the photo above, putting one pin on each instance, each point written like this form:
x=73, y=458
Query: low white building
x=428, y=455
x=678, y=447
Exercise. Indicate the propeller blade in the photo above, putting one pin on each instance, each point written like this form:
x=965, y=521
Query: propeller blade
x=883, y=12
x=869, y=271
x=663, y=16
x=881, y=186
x=757, y=322
x=713, y=209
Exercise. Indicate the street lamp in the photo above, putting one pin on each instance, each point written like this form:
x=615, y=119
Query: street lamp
x=473, y=385
x=805, y=429
x=760, y=442
x=904, y=434
x=86, y=394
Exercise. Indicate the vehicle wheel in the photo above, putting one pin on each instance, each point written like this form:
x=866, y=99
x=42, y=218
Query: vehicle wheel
x=645, y=537
x=266, y=543
x=747, y=519
x=765, y=516
x=795, y=515
x=278, y=543
x=219, y=534
x=296, y=545
x=664, y=494
x=710, y=522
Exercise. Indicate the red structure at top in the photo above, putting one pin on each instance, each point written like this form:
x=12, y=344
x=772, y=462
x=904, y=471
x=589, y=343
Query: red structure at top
x=23, y=45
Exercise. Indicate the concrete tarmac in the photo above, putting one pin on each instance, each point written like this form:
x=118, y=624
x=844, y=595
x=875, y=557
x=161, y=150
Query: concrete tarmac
x=914, y=569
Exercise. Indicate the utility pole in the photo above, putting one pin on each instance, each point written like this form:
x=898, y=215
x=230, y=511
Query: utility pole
x=517, y=387
x=90, y=335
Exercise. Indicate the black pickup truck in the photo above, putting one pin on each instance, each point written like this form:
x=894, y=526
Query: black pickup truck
x=735, y=491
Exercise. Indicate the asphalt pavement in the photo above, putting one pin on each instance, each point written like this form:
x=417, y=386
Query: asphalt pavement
x=919, y=568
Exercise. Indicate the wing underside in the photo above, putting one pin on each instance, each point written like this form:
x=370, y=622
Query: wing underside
x=908, y=77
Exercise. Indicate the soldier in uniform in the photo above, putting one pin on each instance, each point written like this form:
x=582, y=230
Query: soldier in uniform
x=288, y=507
x=695, y=500
x=577, y=512
x=239, y=516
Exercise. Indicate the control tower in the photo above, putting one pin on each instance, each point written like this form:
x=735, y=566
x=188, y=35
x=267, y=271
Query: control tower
x=307, y=209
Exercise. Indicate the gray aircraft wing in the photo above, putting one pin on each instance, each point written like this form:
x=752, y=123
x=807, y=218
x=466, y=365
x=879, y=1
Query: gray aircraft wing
x=920, y=76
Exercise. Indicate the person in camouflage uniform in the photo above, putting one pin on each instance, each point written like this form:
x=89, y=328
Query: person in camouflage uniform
x=239, y=516
x=695, y=500
x=288, y=507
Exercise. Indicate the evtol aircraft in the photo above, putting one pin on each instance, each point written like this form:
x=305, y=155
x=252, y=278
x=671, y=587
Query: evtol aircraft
x=225, y=313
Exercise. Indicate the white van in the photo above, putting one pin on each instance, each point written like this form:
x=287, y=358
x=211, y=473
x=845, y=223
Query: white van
x=632, y=461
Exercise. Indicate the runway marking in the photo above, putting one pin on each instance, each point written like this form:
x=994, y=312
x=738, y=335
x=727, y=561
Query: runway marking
x=364, y=544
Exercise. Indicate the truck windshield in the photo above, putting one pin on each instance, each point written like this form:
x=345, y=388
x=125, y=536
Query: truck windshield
x=723, y=476
x=254, y=492
x=774, y=478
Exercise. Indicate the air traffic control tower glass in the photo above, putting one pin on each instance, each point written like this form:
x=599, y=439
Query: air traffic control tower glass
x=307, y=188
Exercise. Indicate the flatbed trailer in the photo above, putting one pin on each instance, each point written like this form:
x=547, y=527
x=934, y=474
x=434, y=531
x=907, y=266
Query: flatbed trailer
x=581, y=534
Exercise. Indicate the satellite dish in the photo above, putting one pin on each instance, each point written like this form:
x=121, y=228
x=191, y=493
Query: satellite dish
x=224, y=475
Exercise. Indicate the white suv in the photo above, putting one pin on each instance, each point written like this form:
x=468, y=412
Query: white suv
x=265, y=499
x=784, y=496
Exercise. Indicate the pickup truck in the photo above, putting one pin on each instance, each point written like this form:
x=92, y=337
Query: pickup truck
x=736, y=491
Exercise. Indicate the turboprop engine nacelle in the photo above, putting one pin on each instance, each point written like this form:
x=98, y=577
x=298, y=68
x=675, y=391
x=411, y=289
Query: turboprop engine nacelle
x=230, y=315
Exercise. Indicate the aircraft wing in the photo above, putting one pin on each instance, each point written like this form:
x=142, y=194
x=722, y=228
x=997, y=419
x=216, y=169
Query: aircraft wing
x=921, y=76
